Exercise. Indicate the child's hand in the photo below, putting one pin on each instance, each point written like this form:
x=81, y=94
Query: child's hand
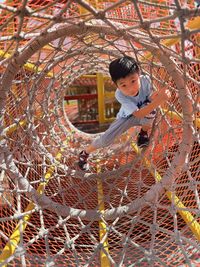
x=167, y=93
x=154, y=95
x=159, y=98
x=162, y=94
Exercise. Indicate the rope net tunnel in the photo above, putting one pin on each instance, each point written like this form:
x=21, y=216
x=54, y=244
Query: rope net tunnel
x=134, y=208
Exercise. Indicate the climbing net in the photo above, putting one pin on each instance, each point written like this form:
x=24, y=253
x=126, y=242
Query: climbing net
x=134, y=208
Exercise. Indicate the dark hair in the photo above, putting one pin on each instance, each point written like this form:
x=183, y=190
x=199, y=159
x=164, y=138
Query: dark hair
x=121, y=67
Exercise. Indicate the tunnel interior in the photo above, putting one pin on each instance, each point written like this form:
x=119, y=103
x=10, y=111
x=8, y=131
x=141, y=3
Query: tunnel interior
x=134, y=207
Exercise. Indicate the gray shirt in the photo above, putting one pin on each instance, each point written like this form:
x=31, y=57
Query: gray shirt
x=130, y=104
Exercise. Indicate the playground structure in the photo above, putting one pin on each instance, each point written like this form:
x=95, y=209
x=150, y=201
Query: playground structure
x=90, y=103
x=135, y=208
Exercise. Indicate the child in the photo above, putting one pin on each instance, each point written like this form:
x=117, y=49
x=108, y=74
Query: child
x=134, y=93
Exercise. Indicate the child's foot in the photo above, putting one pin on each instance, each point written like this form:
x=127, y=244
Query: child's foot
x=82, y=163
x=143, y=139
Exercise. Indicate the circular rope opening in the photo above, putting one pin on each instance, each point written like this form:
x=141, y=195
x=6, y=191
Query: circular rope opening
x=134, y=208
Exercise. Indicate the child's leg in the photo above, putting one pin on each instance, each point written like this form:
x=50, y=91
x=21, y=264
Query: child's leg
x=143, y=136
x=118, y=127
x=90, y=149
x=105, y=139
x=146, y=127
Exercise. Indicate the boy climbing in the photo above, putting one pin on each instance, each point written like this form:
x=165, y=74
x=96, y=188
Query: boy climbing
x=138, y=104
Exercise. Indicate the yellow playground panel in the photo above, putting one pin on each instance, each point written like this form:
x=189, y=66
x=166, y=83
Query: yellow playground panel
x=134, y=207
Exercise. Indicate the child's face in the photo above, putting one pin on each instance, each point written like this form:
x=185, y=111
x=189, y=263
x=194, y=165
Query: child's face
x=129, y=85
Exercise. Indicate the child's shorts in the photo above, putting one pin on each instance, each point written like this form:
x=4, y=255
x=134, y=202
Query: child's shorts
x=119, y=126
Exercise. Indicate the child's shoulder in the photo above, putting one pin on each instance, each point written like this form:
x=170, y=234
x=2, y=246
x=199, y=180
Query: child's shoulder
x=146, y=85
x=145, y=77
x=118, y=93
x=145, y=80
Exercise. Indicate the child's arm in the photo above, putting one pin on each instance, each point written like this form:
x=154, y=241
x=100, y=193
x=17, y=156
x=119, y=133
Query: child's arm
x=154, y=95
x=157, y=100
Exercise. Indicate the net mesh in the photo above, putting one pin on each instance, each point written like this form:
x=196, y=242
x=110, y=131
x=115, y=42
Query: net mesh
x=135, y=208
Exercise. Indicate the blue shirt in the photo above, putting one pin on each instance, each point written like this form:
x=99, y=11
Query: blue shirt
x=130, y=104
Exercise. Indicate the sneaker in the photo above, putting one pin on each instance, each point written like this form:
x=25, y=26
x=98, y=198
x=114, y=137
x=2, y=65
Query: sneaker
x=143, y=139
x=82, y=163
